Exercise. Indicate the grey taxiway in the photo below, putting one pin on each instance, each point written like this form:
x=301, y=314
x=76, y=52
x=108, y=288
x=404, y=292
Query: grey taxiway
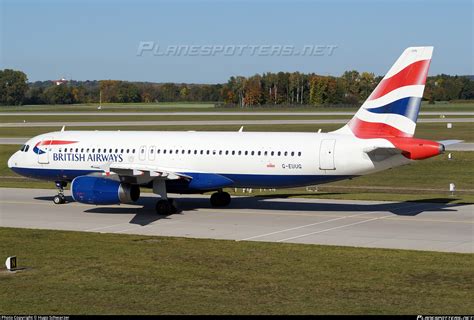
x=217, y=113
x=437, y=225
x=203, y=122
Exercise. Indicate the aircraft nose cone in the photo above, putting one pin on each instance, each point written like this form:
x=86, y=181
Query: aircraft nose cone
x=11, y=161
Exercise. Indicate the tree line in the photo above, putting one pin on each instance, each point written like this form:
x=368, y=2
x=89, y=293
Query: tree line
x=282, y=88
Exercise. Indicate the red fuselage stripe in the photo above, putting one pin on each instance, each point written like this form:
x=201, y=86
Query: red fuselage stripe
x=55, y=142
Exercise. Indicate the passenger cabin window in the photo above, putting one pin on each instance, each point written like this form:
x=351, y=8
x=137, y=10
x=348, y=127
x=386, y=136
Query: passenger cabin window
x=142, y=153
x=151, y=155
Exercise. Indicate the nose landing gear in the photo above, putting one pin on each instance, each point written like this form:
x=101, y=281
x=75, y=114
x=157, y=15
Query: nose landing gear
x=60, y=199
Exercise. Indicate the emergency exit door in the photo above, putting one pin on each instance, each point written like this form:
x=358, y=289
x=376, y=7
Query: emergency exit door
x=43, y=150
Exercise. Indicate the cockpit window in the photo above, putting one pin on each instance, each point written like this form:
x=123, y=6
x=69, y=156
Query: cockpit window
x=24, y=148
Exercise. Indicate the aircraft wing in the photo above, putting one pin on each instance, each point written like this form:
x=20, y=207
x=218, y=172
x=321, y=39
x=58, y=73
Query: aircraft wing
x=138, y=170
x=142, y=174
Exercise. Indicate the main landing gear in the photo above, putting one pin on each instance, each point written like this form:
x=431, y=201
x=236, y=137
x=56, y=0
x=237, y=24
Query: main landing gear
x=220, y=199
x=164, y=206
x=60, y=199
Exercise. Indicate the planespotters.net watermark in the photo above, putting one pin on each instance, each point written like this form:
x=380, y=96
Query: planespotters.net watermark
x=445, y=317
x=152, y=48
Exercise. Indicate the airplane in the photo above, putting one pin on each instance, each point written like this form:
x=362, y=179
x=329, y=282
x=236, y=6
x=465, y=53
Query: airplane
x=110, y=167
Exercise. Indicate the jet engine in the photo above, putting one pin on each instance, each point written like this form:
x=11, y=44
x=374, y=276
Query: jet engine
x=96, y=190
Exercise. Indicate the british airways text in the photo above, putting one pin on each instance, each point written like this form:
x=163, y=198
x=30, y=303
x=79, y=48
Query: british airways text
x=87, y=157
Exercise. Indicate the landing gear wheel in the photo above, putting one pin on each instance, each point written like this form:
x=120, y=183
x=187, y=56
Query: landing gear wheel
x=220, y=199
x=172, y=203
x=59, y=199
x=163, y=207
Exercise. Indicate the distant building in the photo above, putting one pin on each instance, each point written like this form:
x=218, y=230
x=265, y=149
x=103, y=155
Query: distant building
x=60, y=81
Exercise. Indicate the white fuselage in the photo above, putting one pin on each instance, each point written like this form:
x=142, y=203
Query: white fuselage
x=250, y=159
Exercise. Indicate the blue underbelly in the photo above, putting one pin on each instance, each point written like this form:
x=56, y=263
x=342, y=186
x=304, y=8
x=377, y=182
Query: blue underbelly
x=239, y=180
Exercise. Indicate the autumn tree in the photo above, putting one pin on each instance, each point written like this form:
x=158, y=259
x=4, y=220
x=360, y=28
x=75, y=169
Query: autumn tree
x=253, y=91
x=13, y=87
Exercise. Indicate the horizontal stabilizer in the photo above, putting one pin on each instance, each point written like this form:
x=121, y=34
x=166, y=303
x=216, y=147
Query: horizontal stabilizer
x=450, y=142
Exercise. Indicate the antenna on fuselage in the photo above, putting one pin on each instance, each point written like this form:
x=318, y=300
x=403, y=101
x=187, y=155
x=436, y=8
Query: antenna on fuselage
x=241, y=129
x=62, y=129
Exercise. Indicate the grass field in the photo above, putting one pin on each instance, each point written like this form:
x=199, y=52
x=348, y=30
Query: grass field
x=99, y=117
x=78, y=273
x=122, y=107
x=135, y=117
x=433, y=131
x=196, y=107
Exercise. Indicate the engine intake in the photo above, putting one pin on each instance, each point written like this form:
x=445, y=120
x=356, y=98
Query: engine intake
x=93, y=190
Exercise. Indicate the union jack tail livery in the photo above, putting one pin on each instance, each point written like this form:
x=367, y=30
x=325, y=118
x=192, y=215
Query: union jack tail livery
x=392, y=108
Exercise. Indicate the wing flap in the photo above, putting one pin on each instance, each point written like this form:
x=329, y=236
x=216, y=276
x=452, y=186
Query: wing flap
x=137, y=170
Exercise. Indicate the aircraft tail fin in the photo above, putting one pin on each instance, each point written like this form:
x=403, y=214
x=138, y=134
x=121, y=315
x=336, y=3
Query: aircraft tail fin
x=392, y=108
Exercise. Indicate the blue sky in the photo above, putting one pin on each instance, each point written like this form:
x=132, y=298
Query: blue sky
x=93, y=40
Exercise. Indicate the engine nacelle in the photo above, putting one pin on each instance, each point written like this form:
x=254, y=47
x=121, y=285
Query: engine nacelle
x=94, y=190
